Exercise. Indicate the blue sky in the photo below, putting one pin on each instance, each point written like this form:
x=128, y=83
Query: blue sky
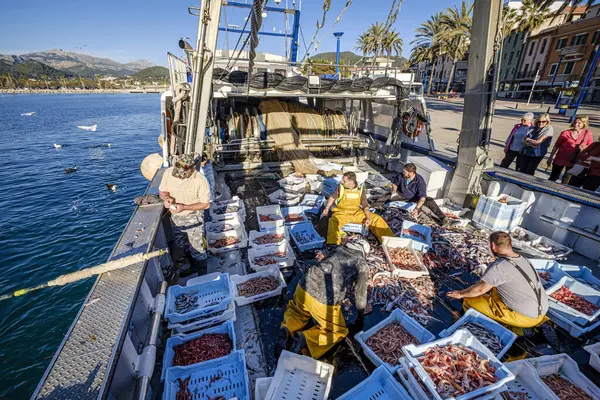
x=128, y=30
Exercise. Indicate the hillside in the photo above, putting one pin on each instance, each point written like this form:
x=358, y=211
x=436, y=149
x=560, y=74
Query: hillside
x=80, y=64
x=157, y=72
x=349, y=58
x=30, y=69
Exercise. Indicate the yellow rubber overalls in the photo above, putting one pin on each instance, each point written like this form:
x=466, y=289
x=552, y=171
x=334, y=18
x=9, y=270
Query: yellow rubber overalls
x=347, y=211
x=492, y=306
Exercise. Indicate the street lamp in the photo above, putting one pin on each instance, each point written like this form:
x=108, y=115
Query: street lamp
x=338, y=35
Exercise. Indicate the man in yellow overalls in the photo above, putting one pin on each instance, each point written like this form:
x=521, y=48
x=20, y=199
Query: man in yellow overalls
x=351, y=207
x=318, y=296
x=510, y=290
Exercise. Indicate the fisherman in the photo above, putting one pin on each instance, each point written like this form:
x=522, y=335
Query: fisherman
x=351, y=207
x=411, y=187
x=319, y=295
x=510, y=290
x=186, y=193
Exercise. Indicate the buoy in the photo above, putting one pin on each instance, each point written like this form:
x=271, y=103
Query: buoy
x=150, y=165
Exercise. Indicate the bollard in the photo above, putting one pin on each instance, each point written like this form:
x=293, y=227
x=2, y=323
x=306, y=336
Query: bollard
x=517, y=106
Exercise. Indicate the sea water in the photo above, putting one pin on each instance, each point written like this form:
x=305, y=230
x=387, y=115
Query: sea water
x=54, y=223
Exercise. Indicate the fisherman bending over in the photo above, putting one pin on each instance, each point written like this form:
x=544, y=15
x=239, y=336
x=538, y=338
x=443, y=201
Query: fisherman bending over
x=319, y=295
x=351, y=207
x=410, y=187
x=510, y=290
x=186, y=192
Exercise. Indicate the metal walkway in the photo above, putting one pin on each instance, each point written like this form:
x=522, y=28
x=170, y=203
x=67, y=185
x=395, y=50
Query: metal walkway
x=544, y=185
x=86, y=359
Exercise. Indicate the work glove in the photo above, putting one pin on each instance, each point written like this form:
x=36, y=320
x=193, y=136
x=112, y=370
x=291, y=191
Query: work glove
x=282, y=343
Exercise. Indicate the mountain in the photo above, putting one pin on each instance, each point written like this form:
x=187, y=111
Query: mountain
x=157, y=72
x=349, y=58
x=20, y=68
x=81, y=64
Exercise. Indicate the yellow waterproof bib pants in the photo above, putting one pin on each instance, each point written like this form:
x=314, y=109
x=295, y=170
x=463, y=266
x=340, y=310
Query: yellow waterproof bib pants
x=348, y=211
x=492, y=306
x=330, y=328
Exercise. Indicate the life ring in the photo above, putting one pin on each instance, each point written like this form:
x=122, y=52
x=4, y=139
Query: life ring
x=412, y=126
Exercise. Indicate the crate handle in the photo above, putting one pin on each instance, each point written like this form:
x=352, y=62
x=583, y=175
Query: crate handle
x=262, y=296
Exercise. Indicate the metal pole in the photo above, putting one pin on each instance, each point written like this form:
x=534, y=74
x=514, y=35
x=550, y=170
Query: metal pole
x=586, y=82
x=556, y=71
x=537, y=77
x=338, y=35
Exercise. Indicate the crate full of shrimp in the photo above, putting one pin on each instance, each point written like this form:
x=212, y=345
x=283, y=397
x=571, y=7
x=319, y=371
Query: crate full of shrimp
x=578, y=302
x=281, y=256
x=216, y=227
x=219, y=243
x=274, y=237
x=402, y=257
x=562, y=376
x=499, y=213
x=257, y=286
x=228, y=209
x=420, y=234
x=382, y=344
x=442, y=365
x=269, y=217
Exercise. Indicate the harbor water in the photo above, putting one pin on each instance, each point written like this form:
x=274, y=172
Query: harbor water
x=55, y=223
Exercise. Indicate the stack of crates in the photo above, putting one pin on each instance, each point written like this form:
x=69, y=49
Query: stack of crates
x=499, y=213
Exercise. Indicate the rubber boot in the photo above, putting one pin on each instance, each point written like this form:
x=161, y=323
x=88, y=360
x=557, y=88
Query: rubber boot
x=283, y=341
x=299, y=344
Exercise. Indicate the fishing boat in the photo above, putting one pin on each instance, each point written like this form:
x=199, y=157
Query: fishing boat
x=91, y=128
x=372, y=124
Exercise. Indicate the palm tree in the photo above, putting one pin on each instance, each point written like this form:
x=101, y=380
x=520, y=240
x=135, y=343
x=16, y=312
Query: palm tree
x=428, y=36
x=457, y=33
x=392, y=43
x=377, y=34
x=567, y=3
x=423, y=54
x=365, y=44
x=509, y=20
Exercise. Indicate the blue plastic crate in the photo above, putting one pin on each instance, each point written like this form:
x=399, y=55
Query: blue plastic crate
x=405, y=205
x=407, y=322
x=381, y=385
x=213, y=296
x=418, y=243
x=310, y=198
x=225, y=376
x=506, y=337
x=308, y=229
x=330, y=184
x=582, y=274
x=176, y=340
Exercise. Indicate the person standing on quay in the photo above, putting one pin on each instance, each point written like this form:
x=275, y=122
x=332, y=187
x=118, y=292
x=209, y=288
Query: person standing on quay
x=536, y=146
x=514, y=142
x=568, y=146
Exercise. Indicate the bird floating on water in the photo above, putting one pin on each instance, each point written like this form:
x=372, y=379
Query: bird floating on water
x=57, y=146
x=69, y=170
x=91, y=128
x=111, y=186
x=28, y=114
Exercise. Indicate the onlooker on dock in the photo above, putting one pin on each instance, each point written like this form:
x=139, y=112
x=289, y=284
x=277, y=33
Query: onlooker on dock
x=589, y=158
x=514, y=142
x=536, y=146
x=568, y=146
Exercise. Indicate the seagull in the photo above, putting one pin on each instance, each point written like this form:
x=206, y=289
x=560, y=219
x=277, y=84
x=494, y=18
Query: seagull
x=69, y=170
x=57, y=146
x=111, y=186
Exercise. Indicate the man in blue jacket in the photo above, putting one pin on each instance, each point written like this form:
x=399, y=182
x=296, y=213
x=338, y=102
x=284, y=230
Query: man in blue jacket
x=411, y=187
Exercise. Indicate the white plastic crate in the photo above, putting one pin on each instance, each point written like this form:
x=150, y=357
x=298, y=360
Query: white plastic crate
x=312, y=203
x=381, y=385
x=578, y=288
x=285, y=211
x=255, y=235
x=228, y=377
x=287, y=261
x=315, y=181
x=292, y=183
x=272, y=211
x=240, y=213
x=407, y=322
x=232, y=224
x=300, y=378
x=506, y=337
x=528, y=246
x=378, y=180
x=261, y=387
x=465, y=338
x=528, y=382
x=417, y=392
x=564, y=365
x=285, y=199
x=176, y=340
x=356, y=228
x=361, y=176
x=594, y=350
x=419, y=243
x=213, y=291
x=394, y=242
x=240, y=233
x=205, y=321
x=306, y=230
x=494, y=215
x=449, y=208
x=239, y=279
x=329, y=166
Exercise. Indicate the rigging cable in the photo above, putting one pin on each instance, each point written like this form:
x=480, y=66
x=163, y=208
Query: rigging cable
x=326, y=7
x=348, y=3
